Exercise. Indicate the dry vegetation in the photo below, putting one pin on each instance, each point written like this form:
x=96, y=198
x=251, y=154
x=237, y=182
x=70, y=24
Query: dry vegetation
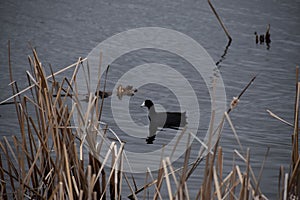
x=47, y=160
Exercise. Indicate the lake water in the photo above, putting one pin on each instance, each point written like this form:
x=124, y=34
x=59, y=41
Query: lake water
x=64, y=31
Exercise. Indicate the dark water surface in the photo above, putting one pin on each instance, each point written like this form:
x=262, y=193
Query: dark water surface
x=64, y=31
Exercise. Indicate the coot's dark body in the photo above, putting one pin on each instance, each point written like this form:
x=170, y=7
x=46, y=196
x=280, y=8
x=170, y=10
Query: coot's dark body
x=101, y=94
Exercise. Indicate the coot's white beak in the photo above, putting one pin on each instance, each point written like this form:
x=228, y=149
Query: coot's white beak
x=143, y=104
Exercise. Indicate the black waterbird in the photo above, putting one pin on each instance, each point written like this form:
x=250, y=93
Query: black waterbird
x=173, y=120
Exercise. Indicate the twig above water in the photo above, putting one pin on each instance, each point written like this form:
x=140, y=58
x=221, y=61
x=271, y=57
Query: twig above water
x=225, y=30
x=220, y=21
x=279, y=118
x=236, y=99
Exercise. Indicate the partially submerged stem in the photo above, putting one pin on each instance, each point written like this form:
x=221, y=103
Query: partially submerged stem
x=221, y=23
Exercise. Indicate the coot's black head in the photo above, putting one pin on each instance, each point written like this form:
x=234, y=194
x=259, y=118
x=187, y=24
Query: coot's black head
x=147, y=103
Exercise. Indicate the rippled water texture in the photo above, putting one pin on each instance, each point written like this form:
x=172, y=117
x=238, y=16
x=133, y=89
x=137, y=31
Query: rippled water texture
x=62, y=32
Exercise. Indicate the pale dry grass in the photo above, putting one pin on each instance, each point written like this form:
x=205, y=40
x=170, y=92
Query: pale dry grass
x=48, y=160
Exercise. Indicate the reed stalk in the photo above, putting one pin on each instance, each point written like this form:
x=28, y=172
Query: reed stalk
x=48, y=160
x=220, y=21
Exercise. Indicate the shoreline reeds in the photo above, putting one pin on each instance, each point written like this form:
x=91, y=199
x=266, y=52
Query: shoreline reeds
x=47, y=161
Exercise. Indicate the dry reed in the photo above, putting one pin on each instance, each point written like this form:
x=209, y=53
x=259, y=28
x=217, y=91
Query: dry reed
x=47, y=161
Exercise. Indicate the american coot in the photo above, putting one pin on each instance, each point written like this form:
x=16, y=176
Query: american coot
x=263, y=38
x=173, y=120
x=260, y=38
x=256, y=37
x=101, y=94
